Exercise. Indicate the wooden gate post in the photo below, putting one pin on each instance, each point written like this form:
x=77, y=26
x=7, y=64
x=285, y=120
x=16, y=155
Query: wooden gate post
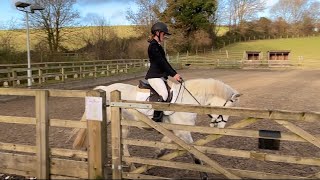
x=116, y=137
x=96, y=138
x=42, y=134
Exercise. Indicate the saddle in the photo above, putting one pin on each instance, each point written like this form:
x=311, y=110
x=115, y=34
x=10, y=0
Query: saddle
x=154, y=96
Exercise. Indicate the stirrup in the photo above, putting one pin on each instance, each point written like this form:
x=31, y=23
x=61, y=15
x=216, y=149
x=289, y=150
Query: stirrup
x=157, y=116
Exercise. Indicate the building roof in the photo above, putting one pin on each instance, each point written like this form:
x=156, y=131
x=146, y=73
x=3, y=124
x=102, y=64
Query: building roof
x=279, y=51
x=253, y=51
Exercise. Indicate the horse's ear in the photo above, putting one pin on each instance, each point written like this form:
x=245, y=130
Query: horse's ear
x=238, y=95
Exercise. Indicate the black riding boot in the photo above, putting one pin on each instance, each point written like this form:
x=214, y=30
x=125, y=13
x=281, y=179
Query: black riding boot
x=157, y=116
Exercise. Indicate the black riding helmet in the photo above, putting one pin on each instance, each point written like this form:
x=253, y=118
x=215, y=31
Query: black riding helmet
x=160, y=26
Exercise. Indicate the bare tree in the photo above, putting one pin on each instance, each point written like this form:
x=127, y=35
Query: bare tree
x=147, y=13
x=97, y=38
x=292, y=11
x=279, y=27
x=57, y=15
x=247, y=9
x=314, y=12
x=98, y=30
x=301, y=15
x=238, y=11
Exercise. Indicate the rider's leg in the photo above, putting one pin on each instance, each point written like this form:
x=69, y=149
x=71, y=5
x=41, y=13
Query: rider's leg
x=160, y=87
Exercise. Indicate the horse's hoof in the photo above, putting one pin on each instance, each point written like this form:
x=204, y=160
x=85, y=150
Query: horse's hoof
x=132, y=167
x=148, y=129
x=204, y=176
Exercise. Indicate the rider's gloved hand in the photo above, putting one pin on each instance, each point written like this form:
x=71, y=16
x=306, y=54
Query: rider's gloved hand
x=178, y=78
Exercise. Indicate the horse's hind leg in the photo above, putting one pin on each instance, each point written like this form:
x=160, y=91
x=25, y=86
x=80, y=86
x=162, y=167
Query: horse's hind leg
x=203, y=175
x=162, y=152
x=125, y=132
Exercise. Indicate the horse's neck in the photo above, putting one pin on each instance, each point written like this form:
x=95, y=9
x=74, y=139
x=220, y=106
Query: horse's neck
x=183, y=96
x=187, y=96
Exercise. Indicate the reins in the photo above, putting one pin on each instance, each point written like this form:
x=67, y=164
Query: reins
x=181, y=82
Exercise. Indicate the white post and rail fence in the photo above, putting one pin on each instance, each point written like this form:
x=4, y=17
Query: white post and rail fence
x=15, y=75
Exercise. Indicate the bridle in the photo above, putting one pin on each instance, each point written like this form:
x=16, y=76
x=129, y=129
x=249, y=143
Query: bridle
x=221, y=116
x=209, y=115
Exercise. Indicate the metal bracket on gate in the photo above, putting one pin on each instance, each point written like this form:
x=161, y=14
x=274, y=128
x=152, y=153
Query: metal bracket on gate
x=130, y=105
x=119, y=167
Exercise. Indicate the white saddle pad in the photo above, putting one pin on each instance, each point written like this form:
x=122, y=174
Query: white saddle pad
x=143, y=95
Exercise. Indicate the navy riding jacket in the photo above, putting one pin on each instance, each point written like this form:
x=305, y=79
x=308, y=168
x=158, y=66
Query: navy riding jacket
x=159, y=65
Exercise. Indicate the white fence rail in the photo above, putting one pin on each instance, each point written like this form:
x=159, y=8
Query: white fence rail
x=15, y=75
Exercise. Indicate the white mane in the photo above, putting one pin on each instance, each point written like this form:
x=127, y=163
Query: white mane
x=211, y=87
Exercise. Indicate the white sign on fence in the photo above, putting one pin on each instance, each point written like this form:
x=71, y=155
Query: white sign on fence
x=94, y=108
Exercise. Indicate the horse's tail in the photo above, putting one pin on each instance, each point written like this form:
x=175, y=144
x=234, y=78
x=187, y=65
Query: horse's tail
x=81, y=136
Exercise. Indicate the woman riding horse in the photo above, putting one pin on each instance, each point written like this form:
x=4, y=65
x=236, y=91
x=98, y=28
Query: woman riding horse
x=160, y=68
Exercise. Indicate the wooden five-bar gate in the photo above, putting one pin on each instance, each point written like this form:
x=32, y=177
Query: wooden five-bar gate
x=200, y=148
x=44, y=162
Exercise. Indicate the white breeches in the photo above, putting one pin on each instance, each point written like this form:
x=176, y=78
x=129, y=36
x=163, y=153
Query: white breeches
x=159, y=86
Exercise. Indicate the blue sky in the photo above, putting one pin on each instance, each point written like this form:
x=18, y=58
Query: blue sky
x=114, y=11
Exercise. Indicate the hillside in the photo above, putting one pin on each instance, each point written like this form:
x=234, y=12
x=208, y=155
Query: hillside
x=76, y=36
x=75, y=39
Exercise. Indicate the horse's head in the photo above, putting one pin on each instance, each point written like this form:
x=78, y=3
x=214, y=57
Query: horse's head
x=219, y=120
x=211, y=92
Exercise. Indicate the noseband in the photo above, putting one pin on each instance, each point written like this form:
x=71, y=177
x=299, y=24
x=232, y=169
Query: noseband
x=221, y=116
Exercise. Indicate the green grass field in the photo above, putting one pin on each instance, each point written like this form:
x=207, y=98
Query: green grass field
x=222, y=30
x=307, y=48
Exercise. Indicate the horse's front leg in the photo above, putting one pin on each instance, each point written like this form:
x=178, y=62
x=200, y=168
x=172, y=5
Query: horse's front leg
x=186, y=136
x=186, y=119
x=165, y=139
x=203, y=175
